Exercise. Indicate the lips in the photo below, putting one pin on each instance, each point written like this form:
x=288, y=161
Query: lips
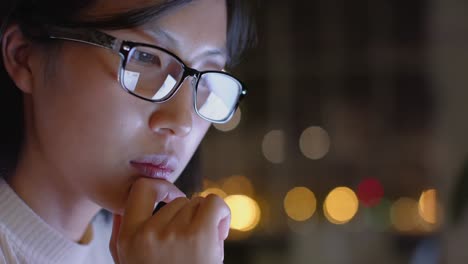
x=155, y=166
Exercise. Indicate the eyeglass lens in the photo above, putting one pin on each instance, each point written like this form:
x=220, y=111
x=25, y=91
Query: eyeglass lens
x=154, y=74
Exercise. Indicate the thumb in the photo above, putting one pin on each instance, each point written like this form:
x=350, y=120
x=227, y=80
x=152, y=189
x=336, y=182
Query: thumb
x=223, y=232
x=117, y=220
x=223, y=227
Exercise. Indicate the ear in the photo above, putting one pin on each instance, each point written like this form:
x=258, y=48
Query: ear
x=16, y=50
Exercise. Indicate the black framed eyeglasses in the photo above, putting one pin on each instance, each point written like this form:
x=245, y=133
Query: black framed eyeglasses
x=155, y=74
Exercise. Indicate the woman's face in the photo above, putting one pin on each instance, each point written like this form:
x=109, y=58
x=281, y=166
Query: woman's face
x=91, y=132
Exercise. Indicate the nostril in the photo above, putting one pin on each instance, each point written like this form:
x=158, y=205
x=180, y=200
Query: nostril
x=178, y=130
x=167, y=122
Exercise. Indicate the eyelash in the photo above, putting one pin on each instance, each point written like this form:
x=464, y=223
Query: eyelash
x=143, y=58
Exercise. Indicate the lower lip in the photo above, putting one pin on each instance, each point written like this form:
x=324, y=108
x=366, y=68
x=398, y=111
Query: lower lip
x=152, y=171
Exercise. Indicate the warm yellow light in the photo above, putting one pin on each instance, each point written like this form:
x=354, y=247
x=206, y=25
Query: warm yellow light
x=314, y=143
x=209, y=184
x=273, y=146
x=216, y=191
x=404, y=214
x=245, y=212
x=238, y=185
x=331, y=219
x=341, y=205
x=427, y=206
x=232, y=124
x=300, y=204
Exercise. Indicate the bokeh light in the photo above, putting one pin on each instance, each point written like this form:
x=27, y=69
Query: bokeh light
x=427, y=206
x=238, y=185
x=377, y=217
x=216, y=191
x=207, y=183
x=404, y=215
x=300, y=204
x=273, y=146
x=245, y=212
x=314, y=143
x=341, y=205
x=232, y=124
x=370, y=192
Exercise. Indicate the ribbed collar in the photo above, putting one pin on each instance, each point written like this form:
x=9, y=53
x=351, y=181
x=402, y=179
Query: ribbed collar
x=33, y=236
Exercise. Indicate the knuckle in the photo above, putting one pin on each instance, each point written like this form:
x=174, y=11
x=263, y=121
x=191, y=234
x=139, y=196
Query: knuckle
x=147, y=234
x=145, y=239
x=212, y=198
x=196, y=236
x=187, y=234
x=181, y=200
x=196, y=199
x=215, y=201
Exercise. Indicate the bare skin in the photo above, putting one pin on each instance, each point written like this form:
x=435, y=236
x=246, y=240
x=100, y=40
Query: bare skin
x=82, y=131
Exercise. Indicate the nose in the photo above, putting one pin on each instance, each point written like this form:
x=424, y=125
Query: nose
x=175, y=117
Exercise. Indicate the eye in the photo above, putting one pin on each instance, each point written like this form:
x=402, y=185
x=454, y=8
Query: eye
x=146, y=58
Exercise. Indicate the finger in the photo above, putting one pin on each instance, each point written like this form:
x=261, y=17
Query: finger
x=165, y=215
x=185, y=216
x=221, y=249
x=117, y=219
x=223, y=228
x=211, y=212
x=143, y=196
x=158, y=207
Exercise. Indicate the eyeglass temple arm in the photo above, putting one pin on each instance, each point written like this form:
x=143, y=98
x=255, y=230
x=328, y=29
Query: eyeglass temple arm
x=88, y=36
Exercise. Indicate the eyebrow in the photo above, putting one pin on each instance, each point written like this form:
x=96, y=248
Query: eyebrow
x=159, y=33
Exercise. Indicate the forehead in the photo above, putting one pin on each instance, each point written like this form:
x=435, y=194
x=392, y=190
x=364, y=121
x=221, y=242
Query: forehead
x=194, y=25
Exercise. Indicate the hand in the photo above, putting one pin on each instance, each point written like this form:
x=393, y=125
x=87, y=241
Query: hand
x=183, y=231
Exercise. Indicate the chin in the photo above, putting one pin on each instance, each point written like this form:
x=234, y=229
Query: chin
x=113, y=201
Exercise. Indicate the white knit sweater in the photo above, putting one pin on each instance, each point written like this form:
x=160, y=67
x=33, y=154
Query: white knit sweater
x=26, y=238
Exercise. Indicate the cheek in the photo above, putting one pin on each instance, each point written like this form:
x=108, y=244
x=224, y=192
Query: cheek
x=192, y=141
x=82, y=113
x=200, y=128
x=89, y=128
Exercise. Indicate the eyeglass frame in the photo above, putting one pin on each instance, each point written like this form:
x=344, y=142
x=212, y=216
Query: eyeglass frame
x=124, y=47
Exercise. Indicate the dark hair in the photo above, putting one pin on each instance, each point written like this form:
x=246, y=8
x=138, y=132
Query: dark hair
x=32, y=13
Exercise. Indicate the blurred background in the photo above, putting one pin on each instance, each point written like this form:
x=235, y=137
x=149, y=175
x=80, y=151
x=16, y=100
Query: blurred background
x=350, y=145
